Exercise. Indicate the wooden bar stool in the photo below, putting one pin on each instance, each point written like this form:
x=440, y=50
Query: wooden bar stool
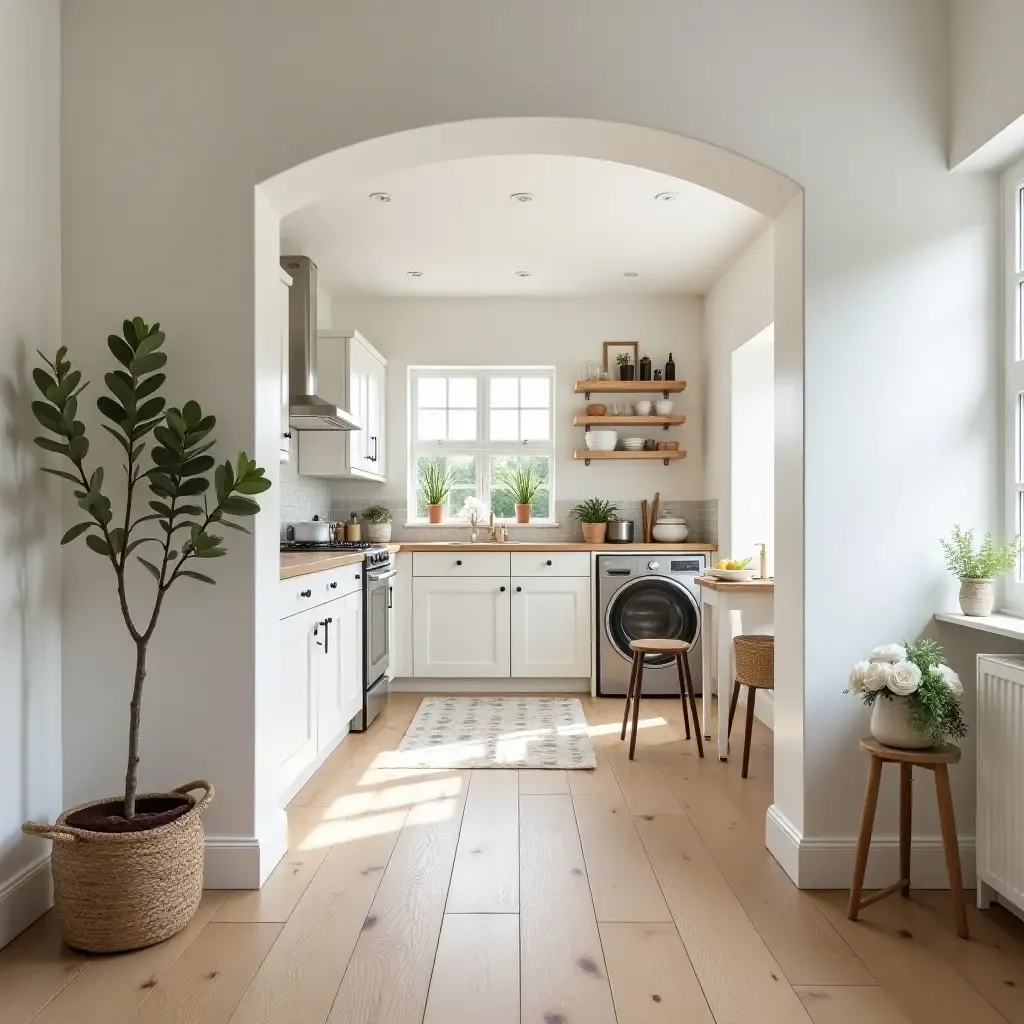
x=678, y=648
x=935, y=760
x=754, y=655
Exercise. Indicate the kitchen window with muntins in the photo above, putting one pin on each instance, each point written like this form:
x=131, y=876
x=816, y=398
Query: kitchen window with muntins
x=481, y=422
x=1014, y=442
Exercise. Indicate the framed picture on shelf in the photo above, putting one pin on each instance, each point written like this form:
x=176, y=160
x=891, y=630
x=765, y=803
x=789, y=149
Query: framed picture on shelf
x=613, y=349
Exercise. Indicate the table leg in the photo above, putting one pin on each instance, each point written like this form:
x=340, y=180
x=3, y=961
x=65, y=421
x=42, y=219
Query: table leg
x=951, y=845
x=867, y=821
x=730, y=624
x=707, y=664
x=906, y=822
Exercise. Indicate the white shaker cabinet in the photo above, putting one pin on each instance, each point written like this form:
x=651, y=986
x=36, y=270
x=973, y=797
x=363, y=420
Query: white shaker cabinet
x=340, y=642
x=461, y=626
x=283, y=293
x=352, y=374
x=551, y=626
x=296, y=724
x=350, y=655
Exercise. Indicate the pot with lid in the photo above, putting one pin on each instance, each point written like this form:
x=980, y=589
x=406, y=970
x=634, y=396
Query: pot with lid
x=620, y=531
x=670, y=530
x=315, y=532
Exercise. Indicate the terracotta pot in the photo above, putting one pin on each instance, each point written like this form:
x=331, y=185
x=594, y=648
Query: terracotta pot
x=890, y=724
x=523, y=513
x=594, y=533
x=435, y=513
x=977, y=597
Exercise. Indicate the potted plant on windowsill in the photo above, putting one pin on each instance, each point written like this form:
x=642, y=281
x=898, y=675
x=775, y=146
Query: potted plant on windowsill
x=523, y=481
x=435, y=482
x=594, y=515
x=128, y=870
x=626, y=368
x=977, y=571
x=378, y=524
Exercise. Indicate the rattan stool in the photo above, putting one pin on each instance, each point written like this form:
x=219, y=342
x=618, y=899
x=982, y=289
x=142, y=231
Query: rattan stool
x=935, y=760
x=680, y=649
x=754, y=655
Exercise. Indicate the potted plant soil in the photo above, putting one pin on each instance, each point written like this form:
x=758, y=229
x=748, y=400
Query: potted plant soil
x=128, y=870
x=435, y=481
x=522, y=480
x=594, y=515
x=626, y=368
x=378, y=524
x=977, y=571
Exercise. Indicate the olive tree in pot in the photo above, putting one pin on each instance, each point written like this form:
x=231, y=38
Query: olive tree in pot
x=128, y=870
x=978, y=570
x=594, y=515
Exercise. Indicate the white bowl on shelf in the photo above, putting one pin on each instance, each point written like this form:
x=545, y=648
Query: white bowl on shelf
x=643, y=408
x=601, y=440
x=663, y=407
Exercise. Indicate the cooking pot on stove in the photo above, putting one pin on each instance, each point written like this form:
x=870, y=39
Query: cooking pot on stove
x=316, y=532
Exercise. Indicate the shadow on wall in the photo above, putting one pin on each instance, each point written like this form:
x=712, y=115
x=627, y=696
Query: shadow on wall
x=24, y=513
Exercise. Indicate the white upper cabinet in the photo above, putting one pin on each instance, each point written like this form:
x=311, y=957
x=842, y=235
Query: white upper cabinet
x=353, y=374
x=284, y=290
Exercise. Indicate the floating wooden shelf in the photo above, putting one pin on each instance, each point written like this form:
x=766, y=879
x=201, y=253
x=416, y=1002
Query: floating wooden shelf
x=627, y=421
x=628, y=387
x=586, y=455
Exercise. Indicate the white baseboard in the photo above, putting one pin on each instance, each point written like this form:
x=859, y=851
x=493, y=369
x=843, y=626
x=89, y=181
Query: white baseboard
x=495, y=686
x=826, y=862
x=24, y=897
x=244, y=862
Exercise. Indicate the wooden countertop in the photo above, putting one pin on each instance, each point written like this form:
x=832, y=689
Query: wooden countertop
x=755, y=586
x=604, y=549
x=298, y=563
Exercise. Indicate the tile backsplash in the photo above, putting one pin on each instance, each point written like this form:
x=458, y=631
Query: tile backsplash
x=302, y=497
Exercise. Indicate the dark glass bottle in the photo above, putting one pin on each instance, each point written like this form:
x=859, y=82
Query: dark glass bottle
x=645, y=368
x=670, y=368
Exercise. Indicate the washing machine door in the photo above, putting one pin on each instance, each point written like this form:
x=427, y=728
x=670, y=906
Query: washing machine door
x=652, y=606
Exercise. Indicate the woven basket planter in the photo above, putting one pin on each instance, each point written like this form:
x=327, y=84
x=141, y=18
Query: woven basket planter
x=754, y=654
x=116, y=891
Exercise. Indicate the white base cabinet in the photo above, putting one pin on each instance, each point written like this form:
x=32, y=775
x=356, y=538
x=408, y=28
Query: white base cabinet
x=339, y=638
x=551, y=626
x=297, y=712
x=461, y=626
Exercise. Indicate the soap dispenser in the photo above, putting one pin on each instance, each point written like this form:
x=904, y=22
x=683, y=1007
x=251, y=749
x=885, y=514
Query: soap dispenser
x=764, y=560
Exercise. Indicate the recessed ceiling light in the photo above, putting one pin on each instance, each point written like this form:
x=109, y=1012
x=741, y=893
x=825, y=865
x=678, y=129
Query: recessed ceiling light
x=521, y=197
x=414, y=273
x=631, y=273
x=667, y=197
x=380, y=197
x=523, y=273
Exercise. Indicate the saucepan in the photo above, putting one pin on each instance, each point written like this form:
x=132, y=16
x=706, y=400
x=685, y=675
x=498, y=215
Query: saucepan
x=620, y=531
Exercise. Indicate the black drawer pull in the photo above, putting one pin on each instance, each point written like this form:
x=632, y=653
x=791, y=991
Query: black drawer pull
x=305, y=593
x=334, y=585
x=548, y=562
x=503, y=590
x=458, y=561
x=519, y=590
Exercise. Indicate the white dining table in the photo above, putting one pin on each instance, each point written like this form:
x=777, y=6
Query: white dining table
x=728, y=610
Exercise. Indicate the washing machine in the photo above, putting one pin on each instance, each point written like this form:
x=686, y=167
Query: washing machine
x=644, y=595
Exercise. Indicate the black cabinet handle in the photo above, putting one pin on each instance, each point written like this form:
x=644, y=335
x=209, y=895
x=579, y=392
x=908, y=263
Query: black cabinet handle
x=316, y=632
x=391, y=597
x=327, y=633
x=357, y=575
x=548, y=562
x=458, y=561
x=334, y=585
x=519, y=590
x=305, y=593
x=503, y=590
x=288, y=434
x=374, y=440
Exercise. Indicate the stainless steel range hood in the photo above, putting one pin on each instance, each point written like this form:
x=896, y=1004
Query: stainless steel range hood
x=306, y=409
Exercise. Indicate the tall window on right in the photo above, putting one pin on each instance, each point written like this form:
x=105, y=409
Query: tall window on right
x=1014, y=442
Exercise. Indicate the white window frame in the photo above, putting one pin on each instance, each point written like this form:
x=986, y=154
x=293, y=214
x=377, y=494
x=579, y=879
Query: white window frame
x=1013, y=455
x=482, y=448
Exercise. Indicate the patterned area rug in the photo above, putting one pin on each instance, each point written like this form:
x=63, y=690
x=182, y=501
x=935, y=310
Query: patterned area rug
x=497, y=732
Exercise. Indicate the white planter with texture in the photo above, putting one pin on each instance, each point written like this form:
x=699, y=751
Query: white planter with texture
x=977, y=597
x=891, y=725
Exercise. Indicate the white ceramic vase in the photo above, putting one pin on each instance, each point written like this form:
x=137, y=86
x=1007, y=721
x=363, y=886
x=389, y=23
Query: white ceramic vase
x=378, y=533
x=890, y=724
x=977, y=597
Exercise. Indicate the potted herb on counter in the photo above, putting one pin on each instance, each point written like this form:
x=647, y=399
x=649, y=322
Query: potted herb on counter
x=435, y=482
x=626, y=368
x=978, y=570
x=523, y=482
x=128, y=870
x=594, y=515
x=378, y=524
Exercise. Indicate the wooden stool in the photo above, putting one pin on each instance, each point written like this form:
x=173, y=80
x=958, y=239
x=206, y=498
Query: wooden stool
x=935, y=760
x=680, y=649
x=754, y=655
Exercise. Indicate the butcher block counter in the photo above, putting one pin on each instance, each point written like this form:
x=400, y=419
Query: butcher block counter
x=298, y=563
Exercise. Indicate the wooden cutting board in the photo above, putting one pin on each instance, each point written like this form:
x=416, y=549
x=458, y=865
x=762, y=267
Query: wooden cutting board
x=646, y=536
x=654, y=515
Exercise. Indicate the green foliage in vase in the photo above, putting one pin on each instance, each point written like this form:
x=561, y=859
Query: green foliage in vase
x=988, y=562
x=435, y=481
x=595, y=510
x=521, y=480
x=623, y=359
x=377, y=514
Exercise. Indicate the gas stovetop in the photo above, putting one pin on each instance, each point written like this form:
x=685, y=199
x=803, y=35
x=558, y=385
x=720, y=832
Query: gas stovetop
x=374, y=554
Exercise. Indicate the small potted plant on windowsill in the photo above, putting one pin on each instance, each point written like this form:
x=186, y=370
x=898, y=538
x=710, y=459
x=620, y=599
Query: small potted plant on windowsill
x=977, y=571
x=436, y=483
x=378, y=524
x=594, y=515
x=626, y=368
x=523, y=481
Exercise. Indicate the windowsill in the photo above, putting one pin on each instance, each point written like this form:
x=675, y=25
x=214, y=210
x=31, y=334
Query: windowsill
x=999, y=622
x=461, y=524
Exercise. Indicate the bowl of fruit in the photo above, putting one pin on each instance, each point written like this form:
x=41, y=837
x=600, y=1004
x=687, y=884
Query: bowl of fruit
x=735, y=570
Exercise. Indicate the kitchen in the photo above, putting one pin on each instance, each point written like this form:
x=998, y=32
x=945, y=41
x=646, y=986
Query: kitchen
x=479, y=367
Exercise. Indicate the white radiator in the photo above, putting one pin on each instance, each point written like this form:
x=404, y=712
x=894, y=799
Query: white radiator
x=1000, y=742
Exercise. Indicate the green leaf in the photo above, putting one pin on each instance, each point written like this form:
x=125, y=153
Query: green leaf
x=43, y=380
x=117, y=539
x=191, y=413
x=75, y=531
x=52, y=366
x=237, y=506
x=141, y=540
x=197, y=576
x=161, y=508
x=194, y=450
x=161, y=484
x=121, y=351
x=130, y=333
x=252, y=485
x=168, y=438
x=149, y=385
x=150, y=343
x=194, y=485
x=211, y=553
x=233, y=526
x=153, y=570
x=111, y=409
x=54, y=446
x=176, y=423
x=121, y=390
x=188, y=510
x=170, y=461
x=60, y=473
x=200, y=464
x=97, y=544
x=49, y=417
x=78, y=448
x=149, y=409
x=121, y=439
x=141, y=429
x=223, y=484
x=141, y=365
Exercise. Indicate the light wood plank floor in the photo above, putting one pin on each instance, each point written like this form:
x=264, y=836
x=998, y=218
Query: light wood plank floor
x=639, y=893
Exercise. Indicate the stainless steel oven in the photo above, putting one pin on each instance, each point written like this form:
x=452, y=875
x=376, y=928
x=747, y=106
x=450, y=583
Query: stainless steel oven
x=378, y=587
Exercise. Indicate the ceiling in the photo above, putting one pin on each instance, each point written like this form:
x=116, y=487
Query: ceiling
x=589, y=223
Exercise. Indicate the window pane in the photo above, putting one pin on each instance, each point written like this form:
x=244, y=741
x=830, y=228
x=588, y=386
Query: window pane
x=535, y=392
x=504, y=425
x=535, y=425
x=462, y=425
x=431, y=425
x=1018, y=320
x=462, y=475
x=1018, y=436
x=1020, y=229
x=462, y=392
x=431, y=393
x=504, y=392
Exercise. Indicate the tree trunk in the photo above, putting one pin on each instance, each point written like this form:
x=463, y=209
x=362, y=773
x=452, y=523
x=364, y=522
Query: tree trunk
x=131, y=778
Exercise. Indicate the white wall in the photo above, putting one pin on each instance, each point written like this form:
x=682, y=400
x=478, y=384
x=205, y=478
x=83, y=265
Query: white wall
x=896, y=264
x=564, y=333
x=738, y=307
x=30, y=521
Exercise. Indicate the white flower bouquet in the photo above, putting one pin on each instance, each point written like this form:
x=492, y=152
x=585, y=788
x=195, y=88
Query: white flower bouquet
x=919, y=673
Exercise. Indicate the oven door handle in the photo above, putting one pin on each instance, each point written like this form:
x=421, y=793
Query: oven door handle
x=376, y=577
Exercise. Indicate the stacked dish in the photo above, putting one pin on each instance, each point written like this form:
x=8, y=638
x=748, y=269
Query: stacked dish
x=633, y=444
x=601, y=440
